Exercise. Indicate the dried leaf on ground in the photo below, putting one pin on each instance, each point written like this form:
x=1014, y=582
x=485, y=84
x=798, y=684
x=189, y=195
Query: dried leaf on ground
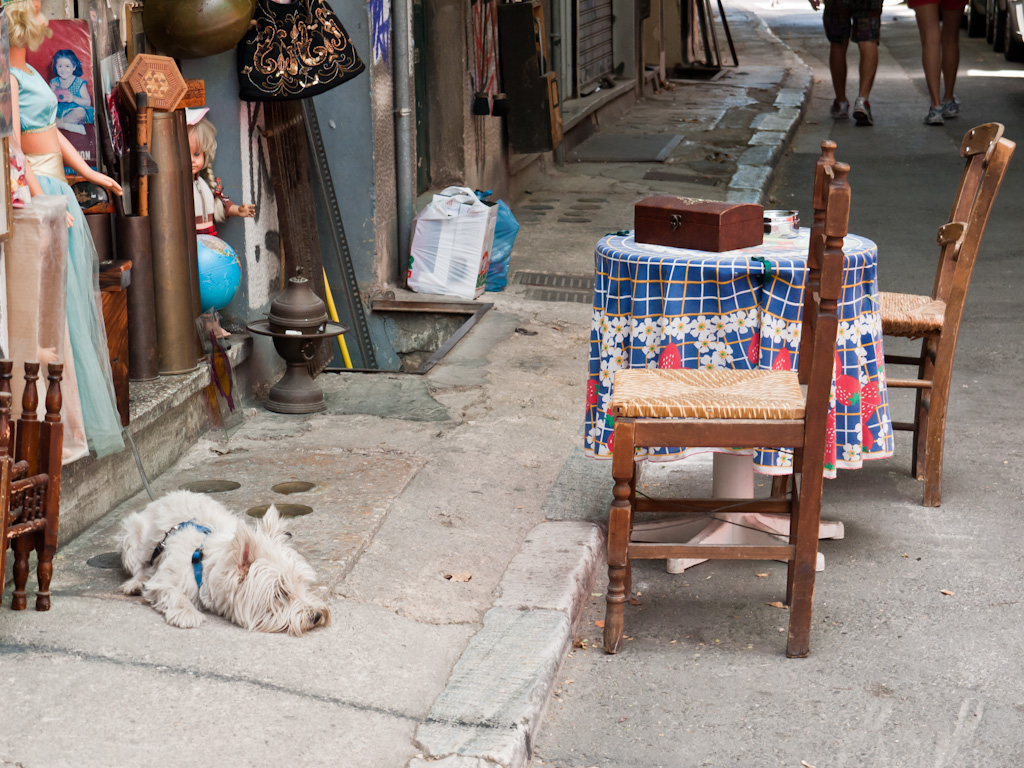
x=462, y=576
x=805, y=764
x=777, y=604
x=947, y=592
x=762, y=575
x=599, y=623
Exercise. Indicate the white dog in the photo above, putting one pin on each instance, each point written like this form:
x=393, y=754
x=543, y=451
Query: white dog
x=186, y=551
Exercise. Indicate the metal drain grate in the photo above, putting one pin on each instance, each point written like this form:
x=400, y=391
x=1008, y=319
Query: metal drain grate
x=548, y=286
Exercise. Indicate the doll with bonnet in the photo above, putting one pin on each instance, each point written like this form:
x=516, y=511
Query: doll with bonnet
x=212, y=205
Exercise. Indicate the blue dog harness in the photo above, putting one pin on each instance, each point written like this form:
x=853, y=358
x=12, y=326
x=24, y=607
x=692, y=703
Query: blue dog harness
x=197, y=556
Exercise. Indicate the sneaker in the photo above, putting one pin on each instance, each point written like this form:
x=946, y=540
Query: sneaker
x=934, y=117
x=862, y=111
x=951, y=108
x=840, y=109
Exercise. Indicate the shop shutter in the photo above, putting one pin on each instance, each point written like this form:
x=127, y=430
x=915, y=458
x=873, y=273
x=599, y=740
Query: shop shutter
x=593, y=43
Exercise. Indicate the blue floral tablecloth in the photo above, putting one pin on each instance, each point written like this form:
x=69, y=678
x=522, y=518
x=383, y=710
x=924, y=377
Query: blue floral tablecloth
x=656, y=306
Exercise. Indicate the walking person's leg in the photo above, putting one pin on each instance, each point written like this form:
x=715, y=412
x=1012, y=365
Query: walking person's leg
x=866, y=32
x=950, y=40
x=835, y=18
x=928, y=26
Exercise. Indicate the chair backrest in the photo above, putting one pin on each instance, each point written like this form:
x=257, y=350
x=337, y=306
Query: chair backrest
x=988, y=155
x=822, y=178
x=824, y=317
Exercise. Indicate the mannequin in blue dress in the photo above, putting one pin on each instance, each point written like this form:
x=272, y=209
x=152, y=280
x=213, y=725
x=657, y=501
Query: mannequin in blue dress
x=47, y=153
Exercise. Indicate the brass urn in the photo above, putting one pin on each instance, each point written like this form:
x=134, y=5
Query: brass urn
x=192, y=29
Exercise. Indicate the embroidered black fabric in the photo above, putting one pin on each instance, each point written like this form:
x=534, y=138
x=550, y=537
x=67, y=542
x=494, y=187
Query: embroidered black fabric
x=294, y=51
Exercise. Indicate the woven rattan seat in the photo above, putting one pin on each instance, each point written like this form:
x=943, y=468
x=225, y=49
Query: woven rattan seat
x=907, y=314
x=703, y=394
x=935, y=319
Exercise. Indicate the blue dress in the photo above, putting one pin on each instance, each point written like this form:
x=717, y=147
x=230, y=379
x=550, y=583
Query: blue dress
x=37, y=105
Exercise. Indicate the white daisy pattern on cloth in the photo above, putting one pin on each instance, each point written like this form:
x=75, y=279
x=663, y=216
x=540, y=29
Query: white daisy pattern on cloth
x=722, y=310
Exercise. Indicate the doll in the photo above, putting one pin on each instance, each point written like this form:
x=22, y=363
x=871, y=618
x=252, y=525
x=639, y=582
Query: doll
x=74, y=104
x=212, y=205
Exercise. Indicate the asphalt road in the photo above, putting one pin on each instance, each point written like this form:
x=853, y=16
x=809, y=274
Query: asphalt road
x=900, y=674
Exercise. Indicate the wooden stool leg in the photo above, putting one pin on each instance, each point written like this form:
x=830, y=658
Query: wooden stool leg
x=619, y=523
x=22, y=546
x=44, y=567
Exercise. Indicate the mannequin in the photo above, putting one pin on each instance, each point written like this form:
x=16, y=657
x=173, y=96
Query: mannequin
x=47, y=152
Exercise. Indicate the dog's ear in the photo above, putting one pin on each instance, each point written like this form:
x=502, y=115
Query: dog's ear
x=245, y=549
x=271, y=523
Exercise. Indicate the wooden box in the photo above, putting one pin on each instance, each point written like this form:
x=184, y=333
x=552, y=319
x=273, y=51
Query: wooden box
x=702, y=225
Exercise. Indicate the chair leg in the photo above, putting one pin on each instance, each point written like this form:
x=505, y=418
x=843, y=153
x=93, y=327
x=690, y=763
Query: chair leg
x=803, y=567
x=619, y=527
x=794, y=530
x=22, y=546
x=780, y=485
x=934, y=438
x=44, y=567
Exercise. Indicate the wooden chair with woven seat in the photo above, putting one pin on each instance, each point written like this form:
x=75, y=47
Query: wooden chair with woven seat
x=935, y=319
x=734, y=409
x=30, y=474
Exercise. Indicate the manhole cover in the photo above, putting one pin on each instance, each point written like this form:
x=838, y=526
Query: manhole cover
x=210, y=486
x=285, y=510
x=293, y=486
x=108, y=561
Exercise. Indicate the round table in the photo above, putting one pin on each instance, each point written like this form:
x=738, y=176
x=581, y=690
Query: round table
x=656, y=306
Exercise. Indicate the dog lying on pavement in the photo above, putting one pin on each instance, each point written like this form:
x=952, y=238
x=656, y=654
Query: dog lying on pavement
x=186, y=551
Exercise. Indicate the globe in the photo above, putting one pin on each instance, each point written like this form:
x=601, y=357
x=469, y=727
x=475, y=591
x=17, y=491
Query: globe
x=220, y=272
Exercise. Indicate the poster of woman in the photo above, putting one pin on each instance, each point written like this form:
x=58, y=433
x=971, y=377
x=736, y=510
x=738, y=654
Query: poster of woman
x=5, y=79
x=65, y=62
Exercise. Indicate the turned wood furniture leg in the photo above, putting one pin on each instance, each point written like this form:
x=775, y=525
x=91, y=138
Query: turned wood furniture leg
x=51, y=446
x=780, y=485
x=803, y=567
x=44, y=567
x=22, y=547
x=794, y=529
x=619, y=523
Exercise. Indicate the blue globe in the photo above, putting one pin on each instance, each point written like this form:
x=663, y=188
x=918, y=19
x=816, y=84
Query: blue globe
x=220, y=272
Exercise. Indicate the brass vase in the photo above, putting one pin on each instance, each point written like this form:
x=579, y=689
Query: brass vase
x=192, y=29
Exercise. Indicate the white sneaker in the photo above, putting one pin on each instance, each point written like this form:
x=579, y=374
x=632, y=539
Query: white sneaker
x=862, y=111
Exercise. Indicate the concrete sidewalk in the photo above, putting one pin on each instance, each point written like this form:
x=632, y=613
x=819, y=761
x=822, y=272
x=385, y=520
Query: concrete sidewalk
x=447, y=521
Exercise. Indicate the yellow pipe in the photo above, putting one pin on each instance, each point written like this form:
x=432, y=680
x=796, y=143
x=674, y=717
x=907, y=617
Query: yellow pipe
x=334, y=316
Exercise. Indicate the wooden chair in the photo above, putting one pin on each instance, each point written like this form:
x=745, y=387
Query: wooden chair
x=30, y=470
x=732, y=409
x=935, y=319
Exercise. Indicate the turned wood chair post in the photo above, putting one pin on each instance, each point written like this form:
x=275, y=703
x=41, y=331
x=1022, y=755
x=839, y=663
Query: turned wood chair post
x=620, y=518
x=51, y=446
x=800, y=578
x=5, y=479
x=6, y=374
x=822, y=177
x=27, y=446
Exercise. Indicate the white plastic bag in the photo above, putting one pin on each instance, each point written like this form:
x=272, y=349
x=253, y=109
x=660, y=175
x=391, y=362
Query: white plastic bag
x=451, y=244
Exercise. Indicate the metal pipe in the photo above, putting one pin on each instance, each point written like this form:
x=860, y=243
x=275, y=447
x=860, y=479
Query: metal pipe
x=405, y=184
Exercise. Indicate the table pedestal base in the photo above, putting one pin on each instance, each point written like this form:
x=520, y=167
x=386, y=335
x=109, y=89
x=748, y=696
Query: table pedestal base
x=733, y=478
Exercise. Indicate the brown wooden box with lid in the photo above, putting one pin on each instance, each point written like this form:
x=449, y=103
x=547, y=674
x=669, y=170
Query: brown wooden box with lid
x=703, y=225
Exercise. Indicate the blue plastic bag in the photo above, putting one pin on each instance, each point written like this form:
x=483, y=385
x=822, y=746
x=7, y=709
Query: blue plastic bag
x=505, y=231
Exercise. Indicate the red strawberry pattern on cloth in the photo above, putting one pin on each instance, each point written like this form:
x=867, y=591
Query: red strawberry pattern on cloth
x=754, y=350
x=592, y=392
x=783, y=361
x=847, y=387
x=870, y=399
x=670, y=357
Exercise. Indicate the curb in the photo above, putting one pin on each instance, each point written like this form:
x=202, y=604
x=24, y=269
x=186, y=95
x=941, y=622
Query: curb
x=490, y=710
x=773, y=131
